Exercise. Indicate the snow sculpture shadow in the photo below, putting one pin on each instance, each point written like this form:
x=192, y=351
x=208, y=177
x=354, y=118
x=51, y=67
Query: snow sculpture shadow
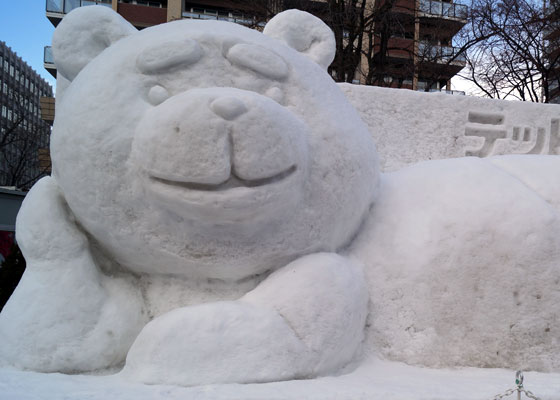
x=216, y=214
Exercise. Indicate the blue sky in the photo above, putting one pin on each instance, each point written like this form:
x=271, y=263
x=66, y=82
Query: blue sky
x=25, y=28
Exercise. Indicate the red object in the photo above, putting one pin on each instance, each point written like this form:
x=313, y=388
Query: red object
x=6, y=243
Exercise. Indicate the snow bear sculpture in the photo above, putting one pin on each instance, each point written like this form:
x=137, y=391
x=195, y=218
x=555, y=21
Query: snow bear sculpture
x=216, y=214
x=203, y=152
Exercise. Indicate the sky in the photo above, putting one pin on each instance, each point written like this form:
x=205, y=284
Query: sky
x=25, y=28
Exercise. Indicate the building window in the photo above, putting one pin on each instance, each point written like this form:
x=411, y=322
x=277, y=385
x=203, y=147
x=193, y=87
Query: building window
x=407, y=81
x=146, y=3
x=55, y=5
x=211, y=13
x=402, y=35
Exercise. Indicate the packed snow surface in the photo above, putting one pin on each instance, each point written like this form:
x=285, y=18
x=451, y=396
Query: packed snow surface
x=217, y=215
x=373, y=380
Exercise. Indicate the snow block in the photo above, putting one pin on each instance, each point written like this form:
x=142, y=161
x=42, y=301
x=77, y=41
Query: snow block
x=409, y=127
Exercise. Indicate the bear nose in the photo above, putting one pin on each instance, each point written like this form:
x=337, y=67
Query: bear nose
x=228, y=108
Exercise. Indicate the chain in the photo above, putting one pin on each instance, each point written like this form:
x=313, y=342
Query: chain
x=529, y=394
x=519, y=389
x=507, y=393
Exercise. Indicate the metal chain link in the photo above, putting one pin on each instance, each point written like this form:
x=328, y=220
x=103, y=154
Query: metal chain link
x=529, y=394
x=507, y=393
x=519, y=389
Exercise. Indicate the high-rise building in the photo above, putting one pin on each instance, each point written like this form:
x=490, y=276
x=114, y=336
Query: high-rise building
x=22, y=131
x=418, y=55
x=418, y=44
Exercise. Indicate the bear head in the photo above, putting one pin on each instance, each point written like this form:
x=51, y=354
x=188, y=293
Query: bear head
x=205, y=149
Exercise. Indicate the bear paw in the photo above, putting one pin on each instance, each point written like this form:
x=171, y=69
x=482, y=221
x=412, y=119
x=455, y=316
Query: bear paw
x=220, y=342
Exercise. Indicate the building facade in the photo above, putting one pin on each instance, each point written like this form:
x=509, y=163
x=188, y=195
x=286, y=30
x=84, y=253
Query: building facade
x=418, y=44
x=23, y=133
x=409, y=44
x=418, y=54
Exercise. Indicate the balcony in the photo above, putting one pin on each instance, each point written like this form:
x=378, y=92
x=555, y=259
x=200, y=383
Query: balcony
x=441, y=61
x=46, y=107
x=47, y=55
x=56, y=9
x=447, y=55
x=221, y=16
x=439, y=9
x=48, y=61
x=453, y=92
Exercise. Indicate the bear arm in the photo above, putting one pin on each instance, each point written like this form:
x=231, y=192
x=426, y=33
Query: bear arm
x=45, y=226
x=304, y=320
x=323, y=297
x=64, y=315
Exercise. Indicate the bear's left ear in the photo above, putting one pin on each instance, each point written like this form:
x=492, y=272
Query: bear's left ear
x=83, y=34
x=304, y=33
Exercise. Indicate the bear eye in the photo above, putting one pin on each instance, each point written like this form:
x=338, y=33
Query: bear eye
x=167, y=56
x=258, y=59
x=157, y=95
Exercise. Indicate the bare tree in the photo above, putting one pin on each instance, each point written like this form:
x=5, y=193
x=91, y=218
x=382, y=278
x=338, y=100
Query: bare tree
x=382, y=26
x=513, y=58
x=254, y=13
x=367, y=33
x=20, y=143
x=385, y=44
x=362, y=29
x=347, y=19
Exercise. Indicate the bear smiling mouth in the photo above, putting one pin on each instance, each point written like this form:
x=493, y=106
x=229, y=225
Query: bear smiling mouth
x=232, y=182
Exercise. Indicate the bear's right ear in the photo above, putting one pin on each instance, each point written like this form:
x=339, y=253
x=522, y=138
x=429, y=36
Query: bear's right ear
x=305, y=33
x=83, y=34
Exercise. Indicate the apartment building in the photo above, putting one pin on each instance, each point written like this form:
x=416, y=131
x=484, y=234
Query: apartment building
x=418, y=45
x=23, y=133
x=419, y=54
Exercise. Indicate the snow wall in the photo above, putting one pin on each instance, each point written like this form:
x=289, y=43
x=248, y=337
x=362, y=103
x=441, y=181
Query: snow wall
x=410, y=126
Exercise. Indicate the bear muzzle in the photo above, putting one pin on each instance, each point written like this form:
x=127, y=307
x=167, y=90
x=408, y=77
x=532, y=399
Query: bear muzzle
x=221, y=146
